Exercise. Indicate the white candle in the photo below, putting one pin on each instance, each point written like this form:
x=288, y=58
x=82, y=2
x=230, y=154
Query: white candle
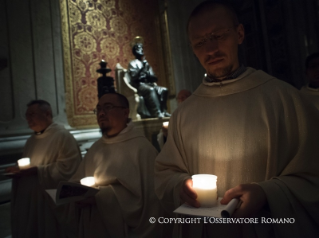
x=206, y=188
x=24, y=163
x=88, y=181
x=165, y=124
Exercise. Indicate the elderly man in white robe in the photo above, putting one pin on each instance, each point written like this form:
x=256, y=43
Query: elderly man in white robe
x=253, y=131
x=54, y=157
x=122, y=163
x=311, y=90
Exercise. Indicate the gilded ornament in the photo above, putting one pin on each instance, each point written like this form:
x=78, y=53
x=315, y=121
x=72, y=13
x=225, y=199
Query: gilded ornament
x=96, y=19
x=78, y=68
x=110, y=47
x=108, y=3
x=75, y=14
x=118, y=25
x=88, y=98
x=85, y=42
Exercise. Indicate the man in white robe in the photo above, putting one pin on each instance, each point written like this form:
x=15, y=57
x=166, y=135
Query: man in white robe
x=122, y=162
x=311, y=90
x=54, y=157
x=255, y=132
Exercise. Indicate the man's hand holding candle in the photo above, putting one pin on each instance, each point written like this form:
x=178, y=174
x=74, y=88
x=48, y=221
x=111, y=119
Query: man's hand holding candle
x=187, y=193
x=12, y=169
x=252, y=196
x=17, y=172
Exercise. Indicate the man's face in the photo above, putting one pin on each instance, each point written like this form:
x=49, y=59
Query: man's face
x=37, y=119
x=214, y=40
x=313, y=70
x=139, y=49
x=111, y=116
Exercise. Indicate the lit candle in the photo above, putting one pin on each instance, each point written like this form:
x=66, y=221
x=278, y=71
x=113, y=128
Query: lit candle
x=165, y=124
x=88, y=181
x=24, y=163
x=206, y=189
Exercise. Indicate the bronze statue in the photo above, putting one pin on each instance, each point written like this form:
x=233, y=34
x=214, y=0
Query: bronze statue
x=144, y=80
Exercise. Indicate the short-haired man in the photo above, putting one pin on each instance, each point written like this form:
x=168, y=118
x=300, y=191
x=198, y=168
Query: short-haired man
x=255, y=132
x=54, y=157
x=311, y=90
x=122, y=162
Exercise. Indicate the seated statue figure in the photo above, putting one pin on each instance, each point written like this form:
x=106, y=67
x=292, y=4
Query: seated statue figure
x=144, y=80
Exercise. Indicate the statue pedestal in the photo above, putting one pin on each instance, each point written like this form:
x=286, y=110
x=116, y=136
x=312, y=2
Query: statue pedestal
x=150, y=128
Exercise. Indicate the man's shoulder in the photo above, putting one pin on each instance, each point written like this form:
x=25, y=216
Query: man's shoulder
x=60, y=133
x=139, y=144
x=60, y=129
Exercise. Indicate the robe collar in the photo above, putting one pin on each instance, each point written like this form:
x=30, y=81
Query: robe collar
x=127, y=133
x=251, y=78
x=48, y=131
x=232, y=75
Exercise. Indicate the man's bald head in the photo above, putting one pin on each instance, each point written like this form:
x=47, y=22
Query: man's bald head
x=210, y=6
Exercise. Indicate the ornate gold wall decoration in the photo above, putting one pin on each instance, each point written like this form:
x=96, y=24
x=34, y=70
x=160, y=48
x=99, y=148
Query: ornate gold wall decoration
x=103, y=29
x=85, y=42
x=110, y=47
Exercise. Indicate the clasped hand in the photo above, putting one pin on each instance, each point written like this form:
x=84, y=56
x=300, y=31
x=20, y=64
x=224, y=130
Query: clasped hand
x=252, y=196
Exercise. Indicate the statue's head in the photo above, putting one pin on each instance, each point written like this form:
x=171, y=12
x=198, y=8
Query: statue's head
x=137, y=50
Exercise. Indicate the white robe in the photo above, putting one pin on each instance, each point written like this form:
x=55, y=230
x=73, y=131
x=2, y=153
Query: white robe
x=160, y=139
x=56, y=155
x=255, y=128
x=123, y=167
x=312, y=94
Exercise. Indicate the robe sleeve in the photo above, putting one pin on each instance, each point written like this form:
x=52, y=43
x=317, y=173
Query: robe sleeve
x=109, y=209
x=170, y=168
x=130, y=201
x=294, y=192
x=64, y=166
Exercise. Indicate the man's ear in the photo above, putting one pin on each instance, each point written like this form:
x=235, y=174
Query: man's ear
x=127, y=112
x=241, y=33
x=49, y=115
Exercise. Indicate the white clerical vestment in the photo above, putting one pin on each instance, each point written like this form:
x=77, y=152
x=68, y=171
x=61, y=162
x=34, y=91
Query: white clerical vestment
x=123, y=167
x=254, y=128
x=56, y=155
x=312, y=94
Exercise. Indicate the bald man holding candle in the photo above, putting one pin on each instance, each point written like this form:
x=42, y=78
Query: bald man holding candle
x=52, y=156
x=257, y=134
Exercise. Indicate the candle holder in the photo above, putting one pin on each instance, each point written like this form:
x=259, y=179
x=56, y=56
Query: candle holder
x=206, y=188
x=105, y=84
x=24, y=163
x=88, y=181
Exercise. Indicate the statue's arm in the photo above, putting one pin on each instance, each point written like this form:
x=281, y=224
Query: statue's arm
x=138, y=74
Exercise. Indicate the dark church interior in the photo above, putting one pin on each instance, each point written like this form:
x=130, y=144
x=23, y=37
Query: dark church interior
x=51, y=50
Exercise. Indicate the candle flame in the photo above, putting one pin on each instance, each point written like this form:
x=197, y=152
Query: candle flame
x=88, y=181
x=24, y=162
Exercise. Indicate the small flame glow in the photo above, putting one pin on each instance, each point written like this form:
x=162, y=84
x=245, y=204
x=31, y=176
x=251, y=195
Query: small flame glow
x=88, y=181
